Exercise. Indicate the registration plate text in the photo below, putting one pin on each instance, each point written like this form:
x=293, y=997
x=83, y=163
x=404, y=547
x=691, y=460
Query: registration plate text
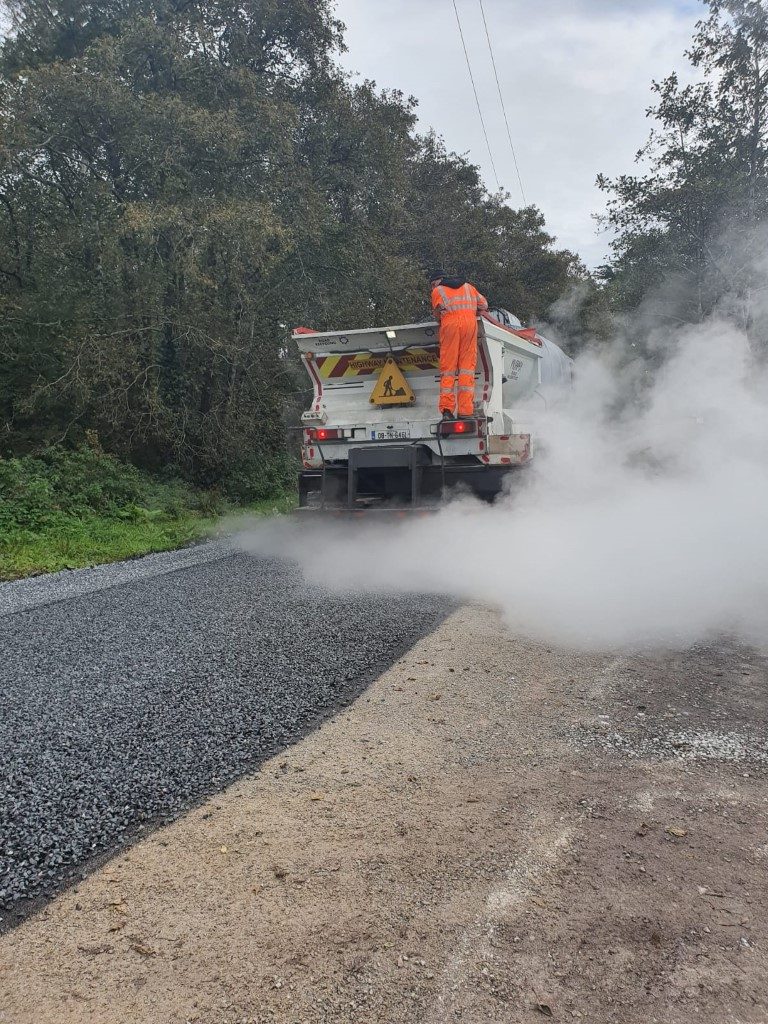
x=389, y=435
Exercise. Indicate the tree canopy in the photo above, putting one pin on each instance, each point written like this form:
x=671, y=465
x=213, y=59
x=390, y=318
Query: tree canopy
x=691, y=230
x=179, y=180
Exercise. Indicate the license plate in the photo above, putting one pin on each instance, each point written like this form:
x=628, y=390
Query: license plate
x=389, y=435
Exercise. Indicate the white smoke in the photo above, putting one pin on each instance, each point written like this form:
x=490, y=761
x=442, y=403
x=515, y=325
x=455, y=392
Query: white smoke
x=646, y=529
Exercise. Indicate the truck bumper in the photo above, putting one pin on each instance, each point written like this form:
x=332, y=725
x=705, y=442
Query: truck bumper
x=397, y=478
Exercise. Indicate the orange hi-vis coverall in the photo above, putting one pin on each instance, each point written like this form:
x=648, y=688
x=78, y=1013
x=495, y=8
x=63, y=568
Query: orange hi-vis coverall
x=457, y=309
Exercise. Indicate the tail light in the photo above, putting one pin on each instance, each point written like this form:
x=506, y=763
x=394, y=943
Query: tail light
x=457, y=428
x=325, y=434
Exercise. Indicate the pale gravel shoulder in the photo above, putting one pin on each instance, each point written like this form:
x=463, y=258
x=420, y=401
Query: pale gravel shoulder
x=21, y=595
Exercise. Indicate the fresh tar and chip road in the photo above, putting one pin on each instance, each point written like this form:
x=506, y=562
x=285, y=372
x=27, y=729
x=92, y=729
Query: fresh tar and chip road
x=129, y=691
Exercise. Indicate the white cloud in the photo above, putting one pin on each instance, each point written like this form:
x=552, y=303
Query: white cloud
x=575, y=75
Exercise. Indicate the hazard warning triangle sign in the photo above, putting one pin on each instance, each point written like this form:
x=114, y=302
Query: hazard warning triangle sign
x=392, y=388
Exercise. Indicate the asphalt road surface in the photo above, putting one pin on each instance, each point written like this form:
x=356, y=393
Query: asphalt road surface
x=127, y=692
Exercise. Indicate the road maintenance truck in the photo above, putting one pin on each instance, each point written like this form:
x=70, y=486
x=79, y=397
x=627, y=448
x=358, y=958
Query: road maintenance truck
x=373, y=437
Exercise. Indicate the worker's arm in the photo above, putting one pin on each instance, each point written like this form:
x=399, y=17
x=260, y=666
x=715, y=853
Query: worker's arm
x=482, y=302
x=437, y=301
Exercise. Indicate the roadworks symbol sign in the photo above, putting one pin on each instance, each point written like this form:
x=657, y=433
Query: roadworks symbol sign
x=392, y=388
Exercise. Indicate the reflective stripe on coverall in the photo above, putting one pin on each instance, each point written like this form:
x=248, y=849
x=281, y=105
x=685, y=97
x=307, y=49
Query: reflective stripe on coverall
x=457, y=309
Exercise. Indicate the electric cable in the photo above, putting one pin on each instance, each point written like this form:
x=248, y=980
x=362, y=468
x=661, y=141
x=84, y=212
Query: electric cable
x=477, y=98
x=503, y=105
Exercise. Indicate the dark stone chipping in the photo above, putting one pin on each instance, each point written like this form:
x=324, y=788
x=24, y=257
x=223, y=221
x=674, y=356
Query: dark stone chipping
x=123, y=705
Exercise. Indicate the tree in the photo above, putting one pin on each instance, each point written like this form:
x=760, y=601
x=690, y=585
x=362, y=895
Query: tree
x=457, y=225
x=148, y=152
x=181, y=178
x=689, y=230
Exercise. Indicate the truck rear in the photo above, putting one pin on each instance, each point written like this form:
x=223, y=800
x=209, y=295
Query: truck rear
x=373, y=437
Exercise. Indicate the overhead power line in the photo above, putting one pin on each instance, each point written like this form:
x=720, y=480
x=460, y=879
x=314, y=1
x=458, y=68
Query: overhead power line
x=474, y=90
x=501, y=100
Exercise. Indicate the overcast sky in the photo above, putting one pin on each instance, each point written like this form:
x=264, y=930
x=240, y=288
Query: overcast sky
x=575, y=74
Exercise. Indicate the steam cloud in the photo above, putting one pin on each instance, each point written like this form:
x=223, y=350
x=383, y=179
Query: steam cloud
x=647, y=528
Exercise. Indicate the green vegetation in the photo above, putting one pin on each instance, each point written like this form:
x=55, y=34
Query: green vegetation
x=180, y=182
x=181, y=179
x=691, y=232
x=67, y=509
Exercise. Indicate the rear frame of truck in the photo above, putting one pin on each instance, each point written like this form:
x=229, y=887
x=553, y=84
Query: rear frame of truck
x=359, y=456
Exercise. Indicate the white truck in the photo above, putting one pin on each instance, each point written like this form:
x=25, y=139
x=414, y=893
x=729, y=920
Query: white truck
x=373, y=436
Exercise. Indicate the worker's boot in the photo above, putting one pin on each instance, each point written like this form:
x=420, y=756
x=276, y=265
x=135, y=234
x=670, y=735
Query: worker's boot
x=448, y=415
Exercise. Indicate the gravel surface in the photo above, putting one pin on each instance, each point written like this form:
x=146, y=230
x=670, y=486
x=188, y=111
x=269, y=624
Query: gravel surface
x=443, y=852
x=707, y=704
x=687, y=745
x=130, y=691
x=60, y=586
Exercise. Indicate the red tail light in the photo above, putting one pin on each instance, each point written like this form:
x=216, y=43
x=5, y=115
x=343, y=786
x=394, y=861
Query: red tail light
x=453, y=428
x=325, y=434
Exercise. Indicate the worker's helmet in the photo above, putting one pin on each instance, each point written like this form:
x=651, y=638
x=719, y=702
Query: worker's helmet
x=435, y=275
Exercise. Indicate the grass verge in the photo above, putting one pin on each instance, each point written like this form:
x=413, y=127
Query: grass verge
x=66, y=509
x=74, y=543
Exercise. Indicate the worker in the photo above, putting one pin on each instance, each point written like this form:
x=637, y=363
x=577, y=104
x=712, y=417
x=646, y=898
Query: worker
x=456, y=304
